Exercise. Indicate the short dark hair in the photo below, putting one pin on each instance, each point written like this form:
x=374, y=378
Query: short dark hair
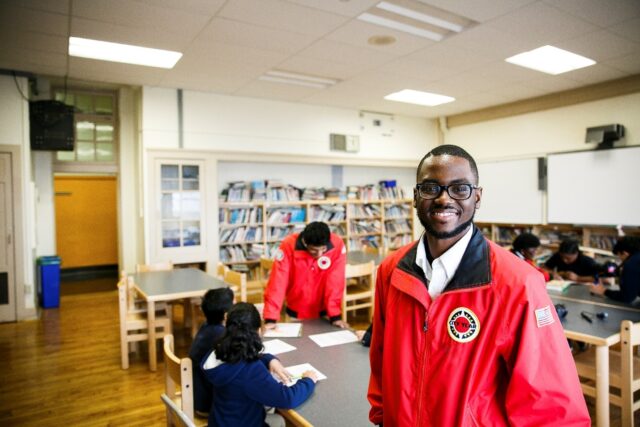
x=241, y=341
x=215, y=303
x=316, y=234
x=451, y=150
x=628, y=244
x=569, y=246
x=525, y=241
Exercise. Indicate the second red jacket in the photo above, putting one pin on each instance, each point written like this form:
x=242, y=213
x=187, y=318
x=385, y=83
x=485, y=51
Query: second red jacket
x=311, y=286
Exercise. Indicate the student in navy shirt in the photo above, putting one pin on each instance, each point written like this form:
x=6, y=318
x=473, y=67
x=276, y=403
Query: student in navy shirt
x=628, y=249
x=215, y=303
x=570, y=264
x=240, y=375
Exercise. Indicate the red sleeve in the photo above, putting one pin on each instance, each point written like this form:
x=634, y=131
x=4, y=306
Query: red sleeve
x=543, y=386
x=278, y=283
x=334, y=286
x=377, y=344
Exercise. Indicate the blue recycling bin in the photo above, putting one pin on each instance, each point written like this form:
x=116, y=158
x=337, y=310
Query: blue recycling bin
x=49, y=281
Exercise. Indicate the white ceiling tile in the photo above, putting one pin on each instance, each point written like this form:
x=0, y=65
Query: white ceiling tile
x=362, y=59
x=29, y=40
x=216, y=55
x=478, y=10
x=541, y=24
x=318, y=67
x=444, y=55
x=628, y=64
x=113, y=72
x=599, y=45
x=282, y=15
x=357, y=33
x=271, y=90
x=600, y=12
x=220, y=82
x=108, y=31
x=32, y=60
x=143, y=16
x=629, y=29
x=594, y=74
x=54, y=6
x=257, y=37
x=207, y=7
x=418, y=70
x=21, y=19
x=341, y=7
x=490, y=42
x=550, y=84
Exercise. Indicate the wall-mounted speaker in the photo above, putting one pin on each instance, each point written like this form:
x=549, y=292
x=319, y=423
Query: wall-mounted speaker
x=51, y=126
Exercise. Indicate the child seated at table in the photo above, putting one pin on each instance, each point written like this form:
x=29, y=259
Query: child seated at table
x=215, y=303
x=525, y=246
x=242, y=383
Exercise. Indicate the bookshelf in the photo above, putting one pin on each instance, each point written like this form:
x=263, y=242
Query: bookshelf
x=249, y=230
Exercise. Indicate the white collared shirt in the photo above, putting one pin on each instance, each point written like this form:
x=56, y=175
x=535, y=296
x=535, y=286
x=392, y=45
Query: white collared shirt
x=444, y=267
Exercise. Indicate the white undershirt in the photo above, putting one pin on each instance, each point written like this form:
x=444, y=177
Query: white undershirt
x=444, y=267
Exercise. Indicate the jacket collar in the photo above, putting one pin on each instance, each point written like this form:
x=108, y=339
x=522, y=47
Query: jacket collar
x=474, y=269
x=301, y=247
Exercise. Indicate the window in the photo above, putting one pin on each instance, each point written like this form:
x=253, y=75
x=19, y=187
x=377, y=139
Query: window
x=95, y=130
x=180, y=205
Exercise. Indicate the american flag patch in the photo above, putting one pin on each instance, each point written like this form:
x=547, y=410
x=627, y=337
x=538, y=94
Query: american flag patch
x=544, y=316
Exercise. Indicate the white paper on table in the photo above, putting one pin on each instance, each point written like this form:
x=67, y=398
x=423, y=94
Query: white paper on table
x=334, y=338
x=277, y=346
x=284, y=330
x=296, y=372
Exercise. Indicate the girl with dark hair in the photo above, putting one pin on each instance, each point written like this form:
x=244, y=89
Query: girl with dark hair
x=242, y=383
x=628, y=250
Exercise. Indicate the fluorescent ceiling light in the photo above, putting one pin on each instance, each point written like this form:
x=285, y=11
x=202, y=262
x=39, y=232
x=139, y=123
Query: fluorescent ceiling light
x=395, y=25
x=411, y=96
x=550, y=60
x=418, y=16
x=286, y=77
x=116, y=52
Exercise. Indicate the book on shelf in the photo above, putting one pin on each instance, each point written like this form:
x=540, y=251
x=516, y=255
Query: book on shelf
x=313, y=193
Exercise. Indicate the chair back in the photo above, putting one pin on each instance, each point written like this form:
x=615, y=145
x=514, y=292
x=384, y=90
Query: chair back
x=266, y=264
x=370, y=250
x=158, y=266
x=630, y=382
x=220, y=270
x=234, y=278
x=359, y=290
x=178, y=377
x=175, y=415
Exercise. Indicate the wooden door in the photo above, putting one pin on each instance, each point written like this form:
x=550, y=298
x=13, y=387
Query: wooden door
x=7, y=273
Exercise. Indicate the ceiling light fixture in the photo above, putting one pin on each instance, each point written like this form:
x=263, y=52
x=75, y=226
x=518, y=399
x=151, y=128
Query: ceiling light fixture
x=550, y=60
x=286, y=77
x=418, y=16
x=395, y=25
x=417, y=97
x=117, y=52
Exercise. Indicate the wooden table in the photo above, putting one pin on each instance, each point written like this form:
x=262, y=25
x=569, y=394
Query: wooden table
x=580, y=293
x=170, y=285
x=341, y=399
x=601, y=333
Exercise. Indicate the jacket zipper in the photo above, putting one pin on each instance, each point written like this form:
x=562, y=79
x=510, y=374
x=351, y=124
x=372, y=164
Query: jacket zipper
x=423, y=362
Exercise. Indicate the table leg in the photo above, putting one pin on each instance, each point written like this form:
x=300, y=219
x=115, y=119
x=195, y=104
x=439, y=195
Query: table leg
x=151, y=333
x=602, y=386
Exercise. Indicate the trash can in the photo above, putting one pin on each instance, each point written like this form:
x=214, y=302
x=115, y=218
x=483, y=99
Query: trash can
x=49, y=281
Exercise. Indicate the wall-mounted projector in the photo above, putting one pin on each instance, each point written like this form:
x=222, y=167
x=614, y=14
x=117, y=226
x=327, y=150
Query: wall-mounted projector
x=605, y=135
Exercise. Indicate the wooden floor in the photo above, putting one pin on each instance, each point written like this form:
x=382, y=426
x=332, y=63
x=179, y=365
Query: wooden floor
x=64, y=369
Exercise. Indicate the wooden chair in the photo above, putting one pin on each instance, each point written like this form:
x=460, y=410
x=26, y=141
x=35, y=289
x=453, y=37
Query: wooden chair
x=370, y=250
x=179, y=381
x=220, y=270
x=158, y=266
x=133, y=321
x=237, y=280
x=359, y=291
x=624, y=371
x=175, y=416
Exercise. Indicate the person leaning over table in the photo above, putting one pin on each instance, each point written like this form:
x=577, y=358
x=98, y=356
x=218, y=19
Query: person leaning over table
x=571, y=264
x=309, y=272
x=628, y=249
x=464, y=333
x=525, y=246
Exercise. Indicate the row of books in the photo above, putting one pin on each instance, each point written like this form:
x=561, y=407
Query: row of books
x=241, y=253
x=327, y=213
x=397, y=211
x=240, y=216
x=363, y=227
x=276, y=190
x=398, y=240
x=368, y=211
x=286, y=215
x=397, y=226
x=279, y=233
x=360, y=242
x=241, y=234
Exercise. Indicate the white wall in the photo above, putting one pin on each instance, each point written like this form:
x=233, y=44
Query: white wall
x=236, y=124
x=14, y=130
x=550, y=131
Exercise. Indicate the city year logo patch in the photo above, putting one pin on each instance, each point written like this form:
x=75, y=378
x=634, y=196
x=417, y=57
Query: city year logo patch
x=463, y=325
x=279, y=255
x=324, y=262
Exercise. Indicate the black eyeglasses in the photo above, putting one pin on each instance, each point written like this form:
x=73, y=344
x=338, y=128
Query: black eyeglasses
x=430, y=190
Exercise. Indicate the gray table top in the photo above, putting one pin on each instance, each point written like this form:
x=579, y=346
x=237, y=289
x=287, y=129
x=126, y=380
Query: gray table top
x=341, y=399
x=360, y=257
x=600, y=331
x=175, y=284
x=581, y=292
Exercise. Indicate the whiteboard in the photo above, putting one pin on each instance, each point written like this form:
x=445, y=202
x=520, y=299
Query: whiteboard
x=510, y=192
x=595, y=187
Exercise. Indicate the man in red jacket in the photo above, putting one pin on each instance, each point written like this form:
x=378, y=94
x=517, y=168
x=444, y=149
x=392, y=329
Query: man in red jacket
x=464, y=333
x=309, y=271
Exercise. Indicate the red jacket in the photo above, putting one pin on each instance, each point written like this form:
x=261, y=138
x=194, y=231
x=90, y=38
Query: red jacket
x=311, y=286
x=489, y=351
